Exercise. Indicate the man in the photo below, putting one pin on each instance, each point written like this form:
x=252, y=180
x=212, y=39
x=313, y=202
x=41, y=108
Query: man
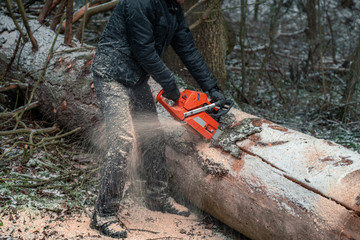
x=128, y=53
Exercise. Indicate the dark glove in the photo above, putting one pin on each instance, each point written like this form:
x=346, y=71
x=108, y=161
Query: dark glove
x=216, y=95
x=173, y=94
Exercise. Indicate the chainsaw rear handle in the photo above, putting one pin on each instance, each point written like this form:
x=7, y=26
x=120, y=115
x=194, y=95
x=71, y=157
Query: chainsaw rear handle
x=175, y=111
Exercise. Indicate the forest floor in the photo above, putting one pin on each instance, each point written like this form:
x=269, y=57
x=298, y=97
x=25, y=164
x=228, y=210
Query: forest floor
x=53, y=198
x=140, y=222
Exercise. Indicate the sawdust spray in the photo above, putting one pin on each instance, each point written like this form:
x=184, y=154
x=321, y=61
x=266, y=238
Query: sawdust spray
x=148, y=125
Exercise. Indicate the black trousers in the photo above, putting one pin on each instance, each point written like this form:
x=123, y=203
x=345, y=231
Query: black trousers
x=131, y=125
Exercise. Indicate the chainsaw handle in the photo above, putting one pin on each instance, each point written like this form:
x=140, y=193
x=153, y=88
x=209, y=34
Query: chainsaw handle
x=224, y=107
x=159, y=98
x=174, y=111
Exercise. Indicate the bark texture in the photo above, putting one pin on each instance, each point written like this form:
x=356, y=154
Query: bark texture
x=264, y=180
x=213, y=37
x=66, y=94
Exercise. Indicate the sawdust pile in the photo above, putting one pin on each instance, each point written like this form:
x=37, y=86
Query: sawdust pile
x=140, y=222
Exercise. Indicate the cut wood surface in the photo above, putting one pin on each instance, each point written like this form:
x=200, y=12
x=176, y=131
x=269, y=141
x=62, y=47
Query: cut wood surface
x=264, y=180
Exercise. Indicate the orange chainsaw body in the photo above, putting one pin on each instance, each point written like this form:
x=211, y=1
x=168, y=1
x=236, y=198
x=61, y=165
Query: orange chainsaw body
x=190, y=100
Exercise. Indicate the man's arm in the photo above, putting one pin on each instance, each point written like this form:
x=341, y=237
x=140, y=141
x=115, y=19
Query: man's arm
x=184, y=46
x=139, y=28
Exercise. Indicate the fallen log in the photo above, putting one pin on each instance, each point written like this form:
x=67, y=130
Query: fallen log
x=264, y=180
x=270, y=182
x=65, y=94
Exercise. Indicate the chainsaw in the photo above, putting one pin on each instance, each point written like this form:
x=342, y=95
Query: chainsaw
x=194, y=108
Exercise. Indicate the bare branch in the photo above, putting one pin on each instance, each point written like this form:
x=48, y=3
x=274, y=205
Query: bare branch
x=68, y=27
x=35, y=46
x=8, y=6
x=58, y=15
x=45, y=11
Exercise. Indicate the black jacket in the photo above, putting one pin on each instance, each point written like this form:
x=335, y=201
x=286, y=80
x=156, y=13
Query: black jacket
x=136, y=36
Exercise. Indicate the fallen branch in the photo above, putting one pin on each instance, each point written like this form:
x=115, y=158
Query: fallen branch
x=81, y=30
x=255, y=69
x=91, y=11
x=68, y=22
x=54, y=4
x=8, y=6
x=35, y=46
x=45, y=11
x=13, y=86
x=81, y=12
x=142, y=230
x=42, y=142
x=43, y=182
x=57, y=18
x=18, y=110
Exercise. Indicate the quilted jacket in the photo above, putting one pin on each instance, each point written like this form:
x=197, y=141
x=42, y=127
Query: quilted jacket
x=136, y=36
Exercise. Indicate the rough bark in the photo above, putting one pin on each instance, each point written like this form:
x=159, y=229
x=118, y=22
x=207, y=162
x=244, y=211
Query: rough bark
x=264, y=180
x=65, y=94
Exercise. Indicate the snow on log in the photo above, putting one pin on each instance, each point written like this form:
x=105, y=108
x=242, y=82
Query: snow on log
x=66, y=94
x=264, y=180
x=270, y=182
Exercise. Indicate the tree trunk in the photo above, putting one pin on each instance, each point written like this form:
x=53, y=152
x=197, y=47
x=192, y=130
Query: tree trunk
x=312, y=31
x=352, y=83
x=256, y=10
x=242, y=37
x=213, y=37
x=265, y=181
x=273, y=28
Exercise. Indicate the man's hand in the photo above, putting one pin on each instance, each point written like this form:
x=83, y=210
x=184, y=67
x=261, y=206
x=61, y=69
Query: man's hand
x=216, y=95
x=172, y=94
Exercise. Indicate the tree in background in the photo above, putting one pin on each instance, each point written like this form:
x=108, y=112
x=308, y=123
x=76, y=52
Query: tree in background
x=352, y=83
x=312, y=31
x=213, y=37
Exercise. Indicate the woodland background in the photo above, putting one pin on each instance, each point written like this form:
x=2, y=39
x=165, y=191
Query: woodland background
x=296, y=63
